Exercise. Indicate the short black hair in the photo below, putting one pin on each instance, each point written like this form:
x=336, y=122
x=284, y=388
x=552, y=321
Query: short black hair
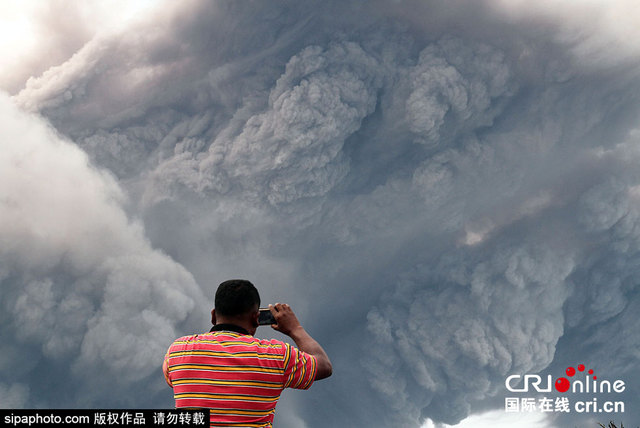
x=236, y=297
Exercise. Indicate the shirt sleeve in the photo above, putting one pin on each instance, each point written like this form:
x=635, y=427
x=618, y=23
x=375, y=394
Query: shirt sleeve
x=299, y=368
x=165, y=368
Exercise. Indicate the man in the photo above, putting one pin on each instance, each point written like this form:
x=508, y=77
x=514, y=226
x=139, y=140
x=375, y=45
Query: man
x=237, y=376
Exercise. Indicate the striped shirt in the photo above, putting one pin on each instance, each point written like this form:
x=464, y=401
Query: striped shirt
x=237, y=376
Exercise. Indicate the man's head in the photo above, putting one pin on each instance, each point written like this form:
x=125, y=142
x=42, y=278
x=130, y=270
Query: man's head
x=237, y=301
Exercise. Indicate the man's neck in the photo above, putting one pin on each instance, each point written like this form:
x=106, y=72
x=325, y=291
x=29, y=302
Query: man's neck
x=241, y=323
x=229, y=327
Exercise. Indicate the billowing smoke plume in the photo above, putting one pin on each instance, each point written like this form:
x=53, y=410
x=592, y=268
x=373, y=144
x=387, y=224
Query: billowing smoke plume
x=446, y=193
x=86, y=299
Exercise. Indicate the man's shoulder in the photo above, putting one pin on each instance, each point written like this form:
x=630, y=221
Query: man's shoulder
x=240, y=342
x=230, y=337
x=255, y=341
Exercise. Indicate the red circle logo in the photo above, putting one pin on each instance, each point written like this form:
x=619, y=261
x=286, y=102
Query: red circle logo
x=562, y=384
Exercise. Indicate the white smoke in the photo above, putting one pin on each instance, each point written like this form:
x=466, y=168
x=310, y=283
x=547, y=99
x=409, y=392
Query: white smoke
x=80, y=281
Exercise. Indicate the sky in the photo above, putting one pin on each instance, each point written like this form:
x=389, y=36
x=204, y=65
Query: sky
x=446, y=192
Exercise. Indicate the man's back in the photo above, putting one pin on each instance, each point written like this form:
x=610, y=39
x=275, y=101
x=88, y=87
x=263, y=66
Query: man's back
x=236, y=375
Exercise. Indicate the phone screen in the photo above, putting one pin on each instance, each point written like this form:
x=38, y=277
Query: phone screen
x=266, y=317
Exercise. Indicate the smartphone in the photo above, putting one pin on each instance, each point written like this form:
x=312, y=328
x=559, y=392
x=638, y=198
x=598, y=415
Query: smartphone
x=266, y=317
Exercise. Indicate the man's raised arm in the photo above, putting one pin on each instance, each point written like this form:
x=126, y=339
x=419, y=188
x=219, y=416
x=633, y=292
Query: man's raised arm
x=287, y=323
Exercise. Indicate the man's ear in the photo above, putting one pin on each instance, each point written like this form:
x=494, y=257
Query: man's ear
x=213, y=316
x=254, y=318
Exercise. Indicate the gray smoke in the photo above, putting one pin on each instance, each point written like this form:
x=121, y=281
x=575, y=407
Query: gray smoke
x=446, y=193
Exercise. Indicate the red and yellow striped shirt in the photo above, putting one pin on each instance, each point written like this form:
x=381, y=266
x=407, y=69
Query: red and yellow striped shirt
x=237, y=376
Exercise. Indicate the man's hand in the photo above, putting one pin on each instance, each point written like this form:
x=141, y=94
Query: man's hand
x=286, y=320
x=287, y=323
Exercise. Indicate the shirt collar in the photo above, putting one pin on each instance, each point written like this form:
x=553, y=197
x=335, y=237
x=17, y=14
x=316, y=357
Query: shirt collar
x=229, y=327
